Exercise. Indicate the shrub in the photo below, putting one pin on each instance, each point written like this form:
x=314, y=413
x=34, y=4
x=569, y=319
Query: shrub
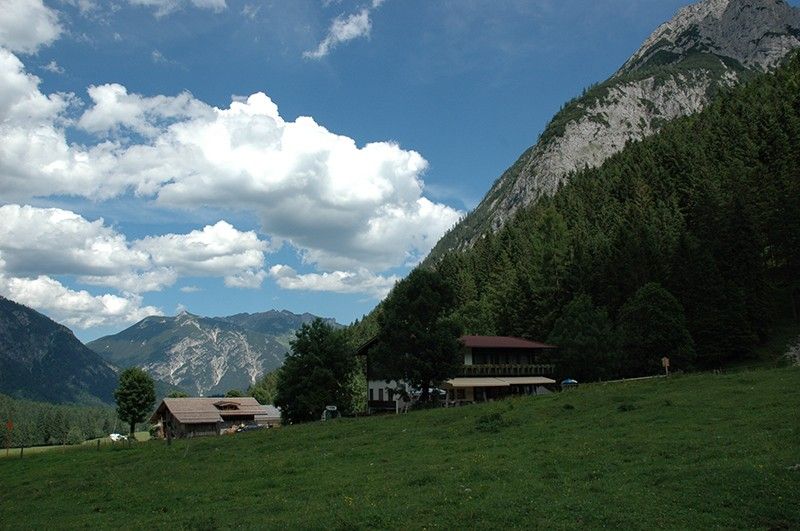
x=75, y=436
x=491, y=422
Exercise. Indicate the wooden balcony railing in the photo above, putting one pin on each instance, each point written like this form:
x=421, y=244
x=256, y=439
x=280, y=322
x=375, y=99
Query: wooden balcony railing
x=507, y=370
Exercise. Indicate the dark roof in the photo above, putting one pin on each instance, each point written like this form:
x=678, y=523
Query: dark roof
x=477, y=342
x=501, y=342
x=364, y=348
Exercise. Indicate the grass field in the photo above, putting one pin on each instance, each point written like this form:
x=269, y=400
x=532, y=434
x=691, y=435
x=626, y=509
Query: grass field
x=697, y=451
x=14, y=453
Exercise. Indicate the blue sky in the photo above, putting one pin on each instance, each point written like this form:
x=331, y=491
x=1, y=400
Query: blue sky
x=130, y=184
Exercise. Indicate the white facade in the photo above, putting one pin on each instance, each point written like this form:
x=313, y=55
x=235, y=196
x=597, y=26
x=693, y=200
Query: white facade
x=391, y=395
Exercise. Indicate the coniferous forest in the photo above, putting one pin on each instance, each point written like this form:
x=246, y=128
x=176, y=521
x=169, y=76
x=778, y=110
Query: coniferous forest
x=41, y=423
x=686, y=244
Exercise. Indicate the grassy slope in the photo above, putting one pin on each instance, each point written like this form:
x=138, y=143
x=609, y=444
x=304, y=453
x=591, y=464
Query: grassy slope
x=695, y=451
x=13, y=453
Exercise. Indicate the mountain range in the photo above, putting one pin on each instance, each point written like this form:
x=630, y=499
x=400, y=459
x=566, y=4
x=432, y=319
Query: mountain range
x=706, y=47
x=205, y=355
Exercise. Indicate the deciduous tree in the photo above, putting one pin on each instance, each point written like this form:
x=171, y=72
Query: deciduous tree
x=418, y=341
x=135, y=396
x=315, y=374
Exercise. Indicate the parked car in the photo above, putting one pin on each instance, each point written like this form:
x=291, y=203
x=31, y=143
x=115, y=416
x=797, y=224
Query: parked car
x=249, y=427
x=117, y=437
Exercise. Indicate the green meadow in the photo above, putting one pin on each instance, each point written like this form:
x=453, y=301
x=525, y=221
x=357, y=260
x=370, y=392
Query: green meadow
x=697, y=451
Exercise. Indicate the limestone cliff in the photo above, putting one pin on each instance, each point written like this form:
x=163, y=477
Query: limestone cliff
x=707, y=46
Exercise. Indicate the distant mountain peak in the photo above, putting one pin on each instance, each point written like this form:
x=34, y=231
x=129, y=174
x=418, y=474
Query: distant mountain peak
x=706, y=46
x=205, y=355
x=756, y=33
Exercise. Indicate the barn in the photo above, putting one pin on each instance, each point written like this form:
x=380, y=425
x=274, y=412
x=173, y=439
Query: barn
x=192, y=417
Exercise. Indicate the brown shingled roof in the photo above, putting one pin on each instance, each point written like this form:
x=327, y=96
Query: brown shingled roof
x=206, y=410
x=501, y=342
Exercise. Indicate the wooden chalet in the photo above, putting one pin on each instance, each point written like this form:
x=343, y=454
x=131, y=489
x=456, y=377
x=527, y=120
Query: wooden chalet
x=498, y=366
x=494, y=367
x=191, y=417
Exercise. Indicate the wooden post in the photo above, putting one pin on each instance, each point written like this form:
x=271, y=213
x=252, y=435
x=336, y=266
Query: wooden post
x=9, y=430
x=21, y=448
x=98, y=445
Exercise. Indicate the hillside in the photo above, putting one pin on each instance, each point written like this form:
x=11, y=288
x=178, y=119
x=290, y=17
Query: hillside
x=703, y=216
x=707, y=46
x=693, y=452
x=42, y=360
x=204, y=355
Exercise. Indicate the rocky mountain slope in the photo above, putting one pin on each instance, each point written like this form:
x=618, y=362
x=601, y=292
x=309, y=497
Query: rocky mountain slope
x=707, y=46
x=204, y=355
x=280, y=324
x=42, y=360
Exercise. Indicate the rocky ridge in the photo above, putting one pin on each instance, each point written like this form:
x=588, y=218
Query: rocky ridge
x=204, y=355
x=676, y=72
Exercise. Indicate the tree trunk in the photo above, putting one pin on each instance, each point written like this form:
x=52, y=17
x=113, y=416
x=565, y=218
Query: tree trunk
x=133, y=427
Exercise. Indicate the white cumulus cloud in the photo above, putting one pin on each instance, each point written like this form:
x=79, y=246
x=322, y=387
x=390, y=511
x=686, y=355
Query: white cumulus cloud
x=114, y=109
x=74, y=308
x=360, y=281
x=217, y=250
x=27, y=25
x=52, y=241
x=341, y=205
x=57, y=242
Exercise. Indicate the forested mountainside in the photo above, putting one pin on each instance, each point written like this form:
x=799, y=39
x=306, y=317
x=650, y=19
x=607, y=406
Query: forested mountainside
x=204, y=355
x=42, y=360
x=678, y=70
x=693, y=230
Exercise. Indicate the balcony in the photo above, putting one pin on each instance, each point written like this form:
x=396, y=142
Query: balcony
x=507, y=370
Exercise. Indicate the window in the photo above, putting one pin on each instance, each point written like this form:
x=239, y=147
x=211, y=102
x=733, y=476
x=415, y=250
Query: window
x=391, y=394
x=380, y=394
x=371, y=395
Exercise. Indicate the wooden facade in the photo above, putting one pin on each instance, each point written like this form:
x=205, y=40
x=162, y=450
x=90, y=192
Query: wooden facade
x=494, y=367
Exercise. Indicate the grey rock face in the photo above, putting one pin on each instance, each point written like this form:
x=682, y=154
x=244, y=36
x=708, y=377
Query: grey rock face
x=204, y=355
x=705, y=47
x=756, y=33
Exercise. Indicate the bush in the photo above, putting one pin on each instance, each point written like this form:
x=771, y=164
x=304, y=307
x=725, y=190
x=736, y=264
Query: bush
x=75, y=436
x=491, y=423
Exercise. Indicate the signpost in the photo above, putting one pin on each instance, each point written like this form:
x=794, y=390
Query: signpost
x=665, y=364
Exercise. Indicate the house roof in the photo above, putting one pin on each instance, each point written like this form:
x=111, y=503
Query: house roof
x=501, y=342
x=210, y=410
x=475, y=382
x=476, y=342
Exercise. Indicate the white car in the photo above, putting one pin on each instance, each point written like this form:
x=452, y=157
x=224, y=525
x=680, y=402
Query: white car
x=118, y=437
